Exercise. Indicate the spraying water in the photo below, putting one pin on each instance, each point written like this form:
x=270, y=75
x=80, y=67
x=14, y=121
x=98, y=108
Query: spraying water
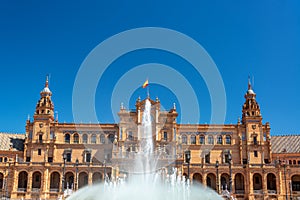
x=146, y=182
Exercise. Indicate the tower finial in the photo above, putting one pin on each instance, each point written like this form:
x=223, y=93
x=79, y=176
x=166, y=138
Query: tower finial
x=47, y=81
x=249, y=83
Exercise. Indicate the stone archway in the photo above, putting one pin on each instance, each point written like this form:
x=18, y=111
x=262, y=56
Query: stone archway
x=36, y=181
x=271, y=183
x=197, y=178
x=69, y=180
x=54, y=182
x=83, y=179
x=239, y=183
x=224, y=181
x=22, y=181
x=97, y=177
x=1, y=180
x=257, y=183
x=211, y=181
x=296, y=183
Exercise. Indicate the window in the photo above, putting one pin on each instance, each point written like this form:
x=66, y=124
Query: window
x=255, y=140
x=39, y=152
x=255, y=154
x=130, y=136
x=207, y=158
x=102, y=139
x=184, y=139
x=298, y=162
x=94, y=139
x=27, y=159
x=76, y=138
x=111, y=138
x=245, y=161
x=228, y=139
x=257, y=180
x=50, y=159
x=88, y=157
x=294, y=162
x=40, y=138
x=5, y=159
x=69, y=155
x=166, y=136
x=219, y=140
x=51, y=135
x=193, y=139
x=84, y=139
x=226, y=158
x=244, y=136
x=30, y=135
x=202, y=139
x=210, y=139
x=265, y=136
x=67, y=138
x=1, y=159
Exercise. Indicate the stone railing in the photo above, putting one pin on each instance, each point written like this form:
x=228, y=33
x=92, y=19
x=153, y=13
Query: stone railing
x=258, y=191
x=54, y=189
x=22, y=189
x=272, y=192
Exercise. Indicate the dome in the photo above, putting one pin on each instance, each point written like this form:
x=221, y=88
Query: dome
x=46, y=90
x=250, y=91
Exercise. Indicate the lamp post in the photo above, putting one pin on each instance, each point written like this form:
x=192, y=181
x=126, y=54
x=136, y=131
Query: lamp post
x=230, y=172
x=187, y=160
x=63, y=178
x=76, y=165
x=217, y=179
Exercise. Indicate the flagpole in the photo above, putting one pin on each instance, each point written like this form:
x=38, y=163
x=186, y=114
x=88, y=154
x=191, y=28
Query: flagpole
x=148, y=94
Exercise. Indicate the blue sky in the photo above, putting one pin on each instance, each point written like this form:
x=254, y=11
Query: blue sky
x=260, y=38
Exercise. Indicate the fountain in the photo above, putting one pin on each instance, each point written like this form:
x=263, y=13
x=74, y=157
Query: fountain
x=146, y=181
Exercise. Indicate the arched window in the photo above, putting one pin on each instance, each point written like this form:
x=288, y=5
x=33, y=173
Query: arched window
x=36, y=181
x=130, y=136
x=202, y=139
x=271, y=183
x=94, y=139
x=22, y=181
x=193, y=139
x=184, y=139
x=54, y=182
x=76, y=138
x=82, y=179
x=84, y=139
x=219, y=139
x=1, y=180
x=102, y=139
x=210, y=139
x=67, y=138
x=111, y=137
x=228, y=139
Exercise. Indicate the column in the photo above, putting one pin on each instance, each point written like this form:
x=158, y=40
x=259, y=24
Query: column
x=46, y=183
x=29, y=183
x=90, y=177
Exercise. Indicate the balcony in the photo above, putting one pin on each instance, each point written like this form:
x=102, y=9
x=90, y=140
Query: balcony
x=240, y=191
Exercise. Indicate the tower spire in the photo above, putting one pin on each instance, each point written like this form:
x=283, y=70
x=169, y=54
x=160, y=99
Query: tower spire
x=47, y=81
x=249, y=83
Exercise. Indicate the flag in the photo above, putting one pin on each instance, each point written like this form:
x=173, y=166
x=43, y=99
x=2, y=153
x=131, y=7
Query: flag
x=145, y=84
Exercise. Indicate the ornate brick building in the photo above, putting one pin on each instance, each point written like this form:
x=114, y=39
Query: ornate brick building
x=53, y=158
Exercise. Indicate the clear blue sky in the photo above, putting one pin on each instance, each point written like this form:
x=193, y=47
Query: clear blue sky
x=260, y=38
